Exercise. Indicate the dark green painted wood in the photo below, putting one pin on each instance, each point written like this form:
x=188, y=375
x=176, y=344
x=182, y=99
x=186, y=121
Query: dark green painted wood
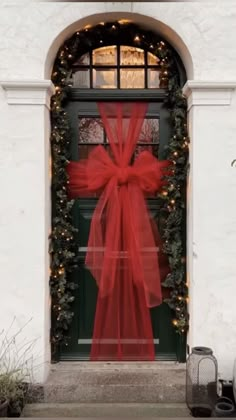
x=150, y=95
x=170, y=346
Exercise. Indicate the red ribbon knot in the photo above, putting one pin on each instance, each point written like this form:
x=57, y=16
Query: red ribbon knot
x=124, y=174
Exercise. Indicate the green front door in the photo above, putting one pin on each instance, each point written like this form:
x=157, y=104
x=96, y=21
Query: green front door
x=87, y=132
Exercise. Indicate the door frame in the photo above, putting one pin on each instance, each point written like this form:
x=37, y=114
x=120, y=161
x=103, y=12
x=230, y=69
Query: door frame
x=127, y=95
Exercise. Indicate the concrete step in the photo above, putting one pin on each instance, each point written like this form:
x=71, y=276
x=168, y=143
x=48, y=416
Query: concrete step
x=109, y=410
x=97, y=382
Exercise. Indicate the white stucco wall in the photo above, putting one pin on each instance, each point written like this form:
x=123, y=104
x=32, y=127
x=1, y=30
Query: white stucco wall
x=204, y=35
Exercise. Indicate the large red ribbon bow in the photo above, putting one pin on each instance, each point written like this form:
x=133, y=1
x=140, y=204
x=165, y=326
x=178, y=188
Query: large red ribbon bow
x=122, y=252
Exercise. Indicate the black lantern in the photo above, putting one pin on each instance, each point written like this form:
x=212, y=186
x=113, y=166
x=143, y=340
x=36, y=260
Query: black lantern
x=201, y=382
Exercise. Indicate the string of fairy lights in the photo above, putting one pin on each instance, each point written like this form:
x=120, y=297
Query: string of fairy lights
x=64, y=236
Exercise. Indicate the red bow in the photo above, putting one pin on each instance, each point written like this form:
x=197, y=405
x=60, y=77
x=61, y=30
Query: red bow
x=122, y=205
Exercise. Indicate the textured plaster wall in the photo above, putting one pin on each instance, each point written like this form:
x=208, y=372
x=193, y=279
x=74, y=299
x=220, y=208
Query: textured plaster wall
x=204, y=35
x=212, y=235
x=28, y=30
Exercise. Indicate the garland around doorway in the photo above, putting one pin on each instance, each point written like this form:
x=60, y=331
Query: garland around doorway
x=173, y=196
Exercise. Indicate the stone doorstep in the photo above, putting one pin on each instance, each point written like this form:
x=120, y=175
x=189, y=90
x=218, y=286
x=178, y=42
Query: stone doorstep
x=103, y=377
x=97, y=382
x=121, y=366
x=116, y=418
x=109, y=410
x=96, y=373
x=124, y=394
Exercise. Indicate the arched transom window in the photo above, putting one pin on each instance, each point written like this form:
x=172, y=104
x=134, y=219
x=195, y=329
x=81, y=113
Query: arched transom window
x=116, y=67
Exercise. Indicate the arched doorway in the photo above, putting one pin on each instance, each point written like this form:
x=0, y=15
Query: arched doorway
x=117, y=62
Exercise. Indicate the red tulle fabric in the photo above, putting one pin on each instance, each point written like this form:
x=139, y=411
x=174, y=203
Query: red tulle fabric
x=122, y=251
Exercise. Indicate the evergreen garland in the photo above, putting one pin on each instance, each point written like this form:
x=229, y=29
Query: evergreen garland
x=62, y=243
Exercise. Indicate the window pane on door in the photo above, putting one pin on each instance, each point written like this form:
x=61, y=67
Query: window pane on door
x=132, y=79
x=105, y=56
x=81, y=79
x=150, y=131
x=90, y=130
x=84, y=60
x=153, y=149
x=131, y=56
x=84, y=150
x=153, y=78
x=152, y=59
x=104, y=79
